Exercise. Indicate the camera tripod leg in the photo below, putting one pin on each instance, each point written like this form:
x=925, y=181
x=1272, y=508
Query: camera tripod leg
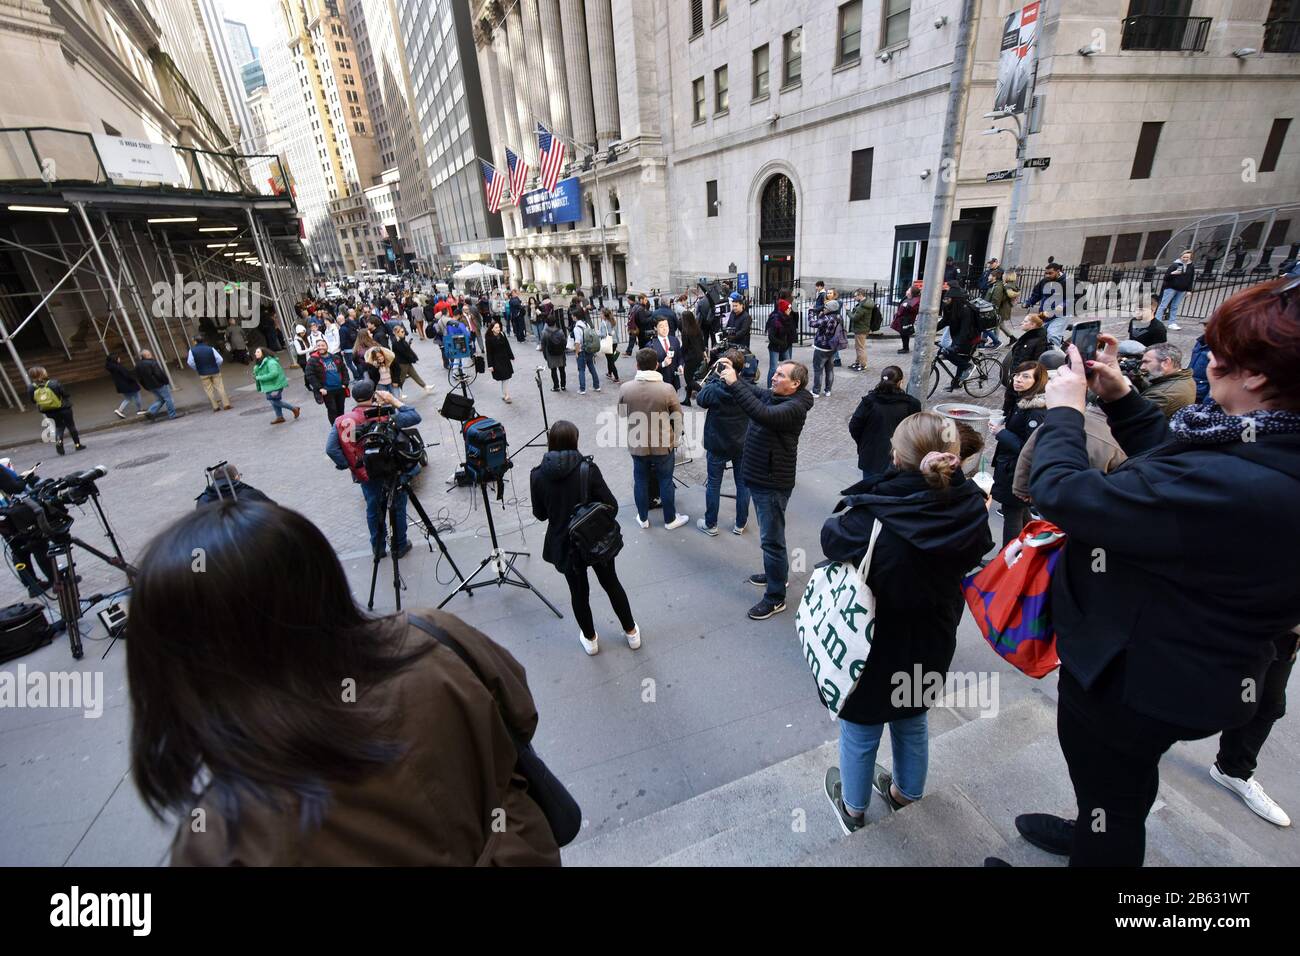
x=65, y=585
x=465, y=584
x=433, y=531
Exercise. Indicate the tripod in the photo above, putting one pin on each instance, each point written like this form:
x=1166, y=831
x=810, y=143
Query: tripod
x=504, y=562
x=390, y=511
x=535, y=441
x=65, y=577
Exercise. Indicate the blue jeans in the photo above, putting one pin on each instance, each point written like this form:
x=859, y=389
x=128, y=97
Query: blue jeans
x=350, y=360
x=279, y=406
x=539, y=328
x=769, y=504
x=587, y=361
x=164, y=395
x=713, y=491
x=1170, y=298
x=128, y=399
x=376, y=520
x=910, y=739
x=663, y=468
x=1056, y=330
x=775, y=358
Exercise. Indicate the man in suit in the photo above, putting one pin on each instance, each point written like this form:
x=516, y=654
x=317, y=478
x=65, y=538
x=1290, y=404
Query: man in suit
x=669, y=351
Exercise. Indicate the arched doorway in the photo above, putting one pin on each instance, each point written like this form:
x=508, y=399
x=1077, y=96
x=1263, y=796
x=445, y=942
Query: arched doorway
x=776, y=236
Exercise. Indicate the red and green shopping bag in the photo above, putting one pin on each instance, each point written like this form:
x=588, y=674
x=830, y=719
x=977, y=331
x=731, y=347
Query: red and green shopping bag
x=1010, y=599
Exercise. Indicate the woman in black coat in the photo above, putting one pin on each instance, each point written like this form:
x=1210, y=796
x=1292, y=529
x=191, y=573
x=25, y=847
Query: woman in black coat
x=1025, y=414
x=1197, y=531
x=500, y=357
x=126, y=384
x=934, y=529
x=406, y=359
x=876, y=417
x=692, y=352
x=556, y=491
x=1027, y=348
x=555, y=346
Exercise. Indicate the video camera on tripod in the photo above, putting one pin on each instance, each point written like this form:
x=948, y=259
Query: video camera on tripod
x=42, y=510
x=709, y=369
x=387, y=449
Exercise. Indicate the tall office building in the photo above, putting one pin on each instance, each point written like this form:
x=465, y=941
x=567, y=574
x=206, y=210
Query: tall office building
x=241, y=44
x=452, y=127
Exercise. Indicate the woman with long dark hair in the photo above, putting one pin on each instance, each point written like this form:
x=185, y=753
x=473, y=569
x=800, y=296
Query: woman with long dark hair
x=692, y=352
x=305, y=733
x=500, y=357
x=556, y=491
x=1011, y=431
x=608, y=328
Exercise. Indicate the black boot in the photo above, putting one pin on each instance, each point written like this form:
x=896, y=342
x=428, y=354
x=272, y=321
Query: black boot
x=1047, y=832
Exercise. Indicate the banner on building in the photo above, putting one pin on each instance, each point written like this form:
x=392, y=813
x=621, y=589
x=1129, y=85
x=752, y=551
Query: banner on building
x=137, y=160
x=1018, y=60
x=542, y=208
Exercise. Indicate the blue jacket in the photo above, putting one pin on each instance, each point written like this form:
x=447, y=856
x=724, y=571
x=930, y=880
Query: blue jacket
x=726, y=422
x=1200, y=365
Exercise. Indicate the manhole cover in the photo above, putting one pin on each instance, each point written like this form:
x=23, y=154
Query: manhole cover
x=140, y=462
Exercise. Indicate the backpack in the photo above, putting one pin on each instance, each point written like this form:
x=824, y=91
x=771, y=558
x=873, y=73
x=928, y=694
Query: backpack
x=986, y=316
x=47, y=400
x=590, y=340
x=556, y=341
x=593, y=532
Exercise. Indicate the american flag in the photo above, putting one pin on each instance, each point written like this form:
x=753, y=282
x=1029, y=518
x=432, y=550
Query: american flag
x=551, y=157
x=495, y=184
x=518, y=174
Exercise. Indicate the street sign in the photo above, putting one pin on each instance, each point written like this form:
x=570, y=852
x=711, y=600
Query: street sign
x=1000, y=175
x=1038, y=162
x=742, y=282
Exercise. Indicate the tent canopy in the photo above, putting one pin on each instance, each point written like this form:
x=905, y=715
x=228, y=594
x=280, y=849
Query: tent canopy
x=477, y=270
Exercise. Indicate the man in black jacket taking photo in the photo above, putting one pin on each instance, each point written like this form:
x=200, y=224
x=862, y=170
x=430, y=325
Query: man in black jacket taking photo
x=725, y=424
x=771, y=453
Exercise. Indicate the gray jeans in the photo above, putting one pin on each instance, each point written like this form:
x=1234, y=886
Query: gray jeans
x=823, y=363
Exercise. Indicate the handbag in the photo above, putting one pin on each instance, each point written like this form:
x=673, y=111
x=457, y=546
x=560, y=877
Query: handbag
x=593, y=532
x=835, y=622
x=561, y=810
x=1010, y=599
x=607, y=345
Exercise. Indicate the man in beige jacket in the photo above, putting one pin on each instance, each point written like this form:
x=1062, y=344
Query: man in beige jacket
x=654, y=426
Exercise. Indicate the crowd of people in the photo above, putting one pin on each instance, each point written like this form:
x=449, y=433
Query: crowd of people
x=1144, y=460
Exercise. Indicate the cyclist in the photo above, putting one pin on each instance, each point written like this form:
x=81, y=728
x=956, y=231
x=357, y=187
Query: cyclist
x=959, y=317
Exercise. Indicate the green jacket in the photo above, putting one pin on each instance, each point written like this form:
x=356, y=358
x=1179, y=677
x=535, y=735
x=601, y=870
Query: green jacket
x=269, y=375
x=862, y=319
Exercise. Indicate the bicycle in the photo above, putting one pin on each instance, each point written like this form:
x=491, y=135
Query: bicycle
x=983, y=375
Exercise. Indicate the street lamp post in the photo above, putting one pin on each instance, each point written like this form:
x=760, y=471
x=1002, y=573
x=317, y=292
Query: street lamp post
x=1017, y=182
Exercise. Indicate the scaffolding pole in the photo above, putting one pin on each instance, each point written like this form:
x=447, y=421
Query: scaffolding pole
x=113, y=282
x=148, y=275
x=114, y=313
x=18, y=364
x=36, y=282
x=81, y=294
x=268, y=269
x=128, y=277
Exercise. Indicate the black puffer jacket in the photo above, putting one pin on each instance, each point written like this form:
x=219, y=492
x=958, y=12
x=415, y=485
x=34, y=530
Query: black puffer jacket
x=873, y=424
x=930, y=539
x=1021, y=422
x=124, y=380
x=725, y=424
x=772, y=440
x=554, y=486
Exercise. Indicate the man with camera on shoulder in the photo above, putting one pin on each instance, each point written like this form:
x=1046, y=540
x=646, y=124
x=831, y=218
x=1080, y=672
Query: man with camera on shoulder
x=346, y=449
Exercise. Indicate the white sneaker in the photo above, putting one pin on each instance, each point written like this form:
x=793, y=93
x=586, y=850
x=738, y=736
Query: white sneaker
x=814, y=395
x=589, y=645
x=634, y=639
x=118, y=413
x=1173, y=327
x=643, y=524
x=1253, y=795
x=740, y=530
x=677, y=522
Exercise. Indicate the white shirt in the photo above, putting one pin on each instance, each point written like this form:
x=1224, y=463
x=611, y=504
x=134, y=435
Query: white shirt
x=331, y=336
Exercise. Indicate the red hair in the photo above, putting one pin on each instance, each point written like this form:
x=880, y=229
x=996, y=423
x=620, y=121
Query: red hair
x=1259, y=331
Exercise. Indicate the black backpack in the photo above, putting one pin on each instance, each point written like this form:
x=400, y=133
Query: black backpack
x=556, y=342
x=986, y=315
x=593, y=531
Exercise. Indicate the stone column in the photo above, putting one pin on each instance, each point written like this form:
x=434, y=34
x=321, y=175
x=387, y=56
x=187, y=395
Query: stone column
x=501, y=70
x=538, y=99
x=519, y=66
x=637, y=80
x=487, y=73
x=604, y=78
x=557, y=81
x=581, y=111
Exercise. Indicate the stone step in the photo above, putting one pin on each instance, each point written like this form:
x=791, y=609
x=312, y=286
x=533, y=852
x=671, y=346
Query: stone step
x=779, y=815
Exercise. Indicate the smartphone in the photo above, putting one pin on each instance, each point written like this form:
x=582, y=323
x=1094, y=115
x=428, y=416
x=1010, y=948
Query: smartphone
x=1084, y=338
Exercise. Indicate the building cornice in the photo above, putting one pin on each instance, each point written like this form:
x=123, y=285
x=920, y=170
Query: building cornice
x=28, y=18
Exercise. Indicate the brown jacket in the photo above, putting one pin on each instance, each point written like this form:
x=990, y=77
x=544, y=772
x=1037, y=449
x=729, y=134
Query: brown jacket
x=1104, y=452
x=436, y=805
x=653, y=414
x=1171, y=392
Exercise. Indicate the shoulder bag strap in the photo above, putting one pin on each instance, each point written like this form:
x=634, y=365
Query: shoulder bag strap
x=582, y=481
x=865, y=566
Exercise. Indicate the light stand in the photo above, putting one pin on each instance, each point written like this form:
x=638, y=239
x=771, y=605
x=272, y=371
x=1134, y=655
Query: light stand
x=390, y=509
x=535, y=441
x=503, y=561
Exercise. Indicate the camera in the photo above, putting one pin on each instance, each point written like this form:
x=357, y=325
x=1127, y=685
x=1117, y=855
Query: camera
x=42, y=511
x=717, y=356
x=456, y=347
x=387, y=449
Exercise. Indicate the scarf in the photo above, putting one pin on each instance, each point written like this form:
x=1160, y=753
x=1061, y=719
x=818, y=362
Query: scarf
x=1033, y=401
x=1208, y=424
x=649, y=376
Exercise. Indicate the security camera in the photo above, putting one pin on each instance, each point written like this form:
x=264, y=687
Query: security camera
x=1244, y=52
x=1090, y=50
x=925, y=174
x=771, y=120
x=940, y=23
x=885, y=57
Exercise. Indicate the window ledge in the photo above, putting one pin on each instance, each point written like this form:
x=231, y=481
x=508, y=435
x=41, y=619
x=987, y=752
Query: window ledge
x=721, y=19
x=897, y=47
x=761, y=98
x=792, y=85
x=697, y=35
x=722, y=112
x=848, y=65
x=699, y=122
